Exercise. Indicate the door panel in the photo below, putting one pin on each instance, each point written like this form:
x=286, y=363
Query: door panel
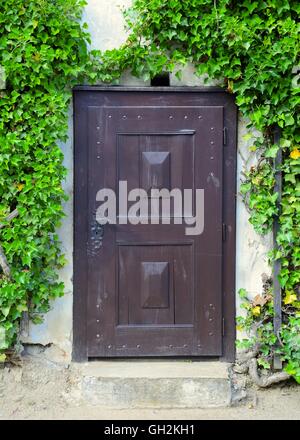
x=151, y=289
x=151, y=281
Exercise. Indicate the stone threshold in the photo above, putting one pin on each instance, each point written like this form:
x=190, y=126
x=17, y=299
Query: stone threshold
x=154, y=384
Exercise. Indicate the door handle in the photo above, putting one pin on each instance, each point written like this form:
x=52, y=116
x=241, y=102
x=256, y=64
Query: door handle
x=96, y=235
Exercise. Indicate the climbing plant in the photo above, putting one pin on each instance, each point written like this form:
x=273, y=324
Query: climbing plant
x=252, y=47
x=43, y=50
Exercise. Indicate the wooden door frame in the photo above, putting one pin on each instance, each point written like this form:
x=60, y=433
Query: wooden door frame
x=79, y=353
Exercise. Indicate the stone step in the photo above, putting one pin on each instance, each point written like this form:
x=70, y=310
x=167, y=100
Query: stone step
x=155, y=384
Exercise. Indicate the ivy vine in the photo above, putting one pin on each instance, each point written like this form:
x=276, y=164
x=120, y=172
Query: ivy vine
x=43, y=50
x=251, y=46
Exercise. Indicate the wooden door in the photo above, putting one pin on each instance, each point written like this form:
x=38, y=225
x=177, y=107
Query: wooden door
x=150, y=289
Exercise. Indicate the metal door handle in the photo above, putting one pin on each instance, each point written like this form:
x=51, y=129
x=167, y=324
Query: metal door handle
x=96, y=235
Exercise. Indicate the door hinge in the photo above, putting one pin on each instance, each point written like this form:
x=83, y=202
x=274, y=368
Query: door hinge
x=223, y=326
x=224, y=231
x=225, y=136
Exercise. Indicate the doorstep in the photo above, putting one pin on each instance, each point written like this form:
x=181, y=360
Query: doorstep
x=155, y=384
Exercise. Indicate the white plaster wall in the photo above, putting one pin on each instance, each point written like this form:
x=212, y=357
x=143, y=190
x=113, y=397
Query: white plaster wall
x=106, y=26
x=251, y=248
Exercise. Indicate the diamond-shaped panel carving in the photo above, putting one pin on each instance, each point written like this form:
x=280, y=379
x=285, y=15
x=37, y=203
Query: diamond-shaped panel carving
x=155, y=284
x=155, y=172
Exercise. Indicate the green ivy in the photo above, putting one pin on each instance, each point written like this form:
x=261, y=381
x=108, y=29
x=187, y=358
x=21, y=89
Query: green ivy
x=257, y=323
x=251, y=46
x=43, y=49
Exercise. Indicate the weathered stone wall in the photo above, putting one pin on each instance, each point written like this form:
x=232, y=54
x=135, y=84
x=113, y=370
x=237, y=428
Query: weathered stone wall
x=106, y=25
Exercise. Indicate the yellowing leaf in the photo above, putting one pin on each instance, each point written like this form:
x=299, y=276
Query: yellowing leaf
x=257, y=180
x=289, y=298
x=2, y=357
x=36, y=57
x=295, y=154
x=20, y=186
x=230, y=86
x=256, y=311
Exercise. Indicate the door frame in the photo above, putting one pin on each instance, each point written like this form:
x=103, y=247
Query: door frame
x=217, y=95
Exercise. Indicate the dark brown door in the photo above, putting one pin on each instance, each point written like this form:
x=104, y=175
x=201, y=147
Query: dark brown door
x=149, y=289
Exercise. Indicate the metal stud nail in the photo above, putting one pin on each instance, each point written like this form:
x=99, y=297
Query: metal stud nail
x=212, y=128
x=124, y=117
x=210, y=333
x=109, y=116
x=98, y=128
x=98, y=157
x=211, y=142
x=138, y=346
x=98, y=336
x=199, y=117
x=185, y=117
x=170, y=117
x=139, y=117
x=109, y=346
x=97, y=321
x=97, y=306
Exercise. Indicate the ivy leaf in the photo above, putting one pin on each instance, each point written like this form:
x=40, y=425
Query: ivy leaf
x=256, y=311
x=289, y=298
x=295, y=154
x=264, y=363
x=5, y=311
x=242, y=293
x=272, y=151
x=245, y=187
